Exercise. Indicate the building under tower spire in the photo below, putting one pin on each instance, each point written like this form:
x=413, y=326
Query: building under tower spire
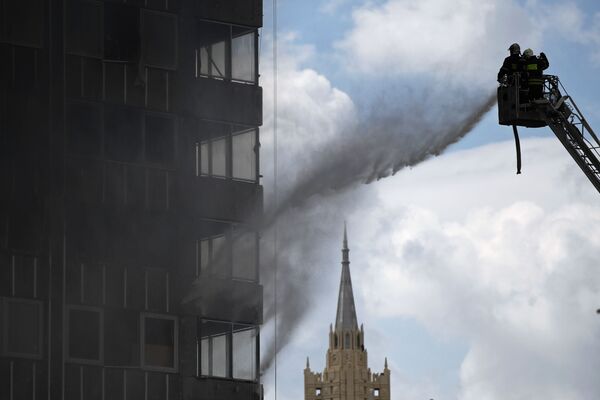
x=346, y=375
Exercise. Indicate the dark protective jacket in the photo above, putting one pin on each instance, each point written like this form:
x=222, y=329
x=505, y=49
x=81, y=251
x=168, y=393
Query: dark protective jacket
x=534, y=67
x=511, y=65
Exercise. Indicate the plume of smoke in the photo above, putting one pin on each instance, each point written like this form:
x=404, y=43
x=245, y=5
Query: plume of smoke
x=394, y=135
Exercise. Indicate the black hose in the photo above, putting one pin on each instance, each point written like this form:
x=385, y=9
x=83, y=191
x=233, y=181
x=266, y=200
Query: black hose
x=518, y=146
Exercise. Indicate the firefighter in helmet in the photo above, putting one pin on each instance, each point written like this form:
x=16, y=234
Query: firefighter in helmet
x=534, y=68
x=512, y=64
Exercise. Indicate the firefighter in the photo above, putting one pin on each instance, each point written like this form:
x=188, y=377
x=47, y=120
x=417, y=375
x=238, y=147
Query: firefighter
x=534, y=68
x=512, y=64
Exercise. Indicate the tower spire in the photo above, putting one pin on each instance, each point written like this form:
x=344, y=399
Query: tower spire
x=346, y=312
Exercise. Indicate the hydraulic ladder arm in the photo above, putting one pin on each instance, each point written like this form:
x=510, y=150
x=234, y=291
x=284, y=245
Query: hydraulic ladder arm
x=571, y=128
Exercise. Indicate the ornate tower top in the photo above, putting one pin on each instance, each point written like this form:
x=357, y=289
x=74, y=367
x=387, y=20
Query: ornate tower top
x=346, y=312
x=347, y=375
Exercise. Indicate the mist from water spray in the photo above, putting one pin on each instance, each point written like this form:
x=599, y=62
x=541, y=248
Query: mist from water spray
x=393, y=136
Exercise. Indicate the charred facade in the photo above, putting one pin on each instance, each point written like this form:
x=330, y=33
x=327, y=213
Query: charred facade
x=129, y=171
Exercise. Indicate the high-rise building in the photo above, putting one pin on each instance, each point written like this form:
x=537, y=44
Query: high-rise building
x=346, y=375
x=129, y=169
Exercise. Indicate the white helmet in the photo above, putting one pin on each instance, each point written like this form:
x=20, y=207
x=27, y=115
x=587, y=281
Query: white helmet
x=528, y=53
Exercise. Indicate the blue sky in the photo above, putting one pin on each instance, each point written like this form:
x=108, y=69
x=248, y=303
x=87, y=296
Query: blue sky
x=468, y=191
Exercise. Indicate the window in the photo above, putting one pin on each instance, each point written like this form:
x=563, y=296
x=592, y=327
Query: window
x=84, y=28
x=317, y=391
x=157, y=281
x=244, y=155
x=85, y=338
x=376, y=392
x=244, y=340
x=159, y=35
x=244, y=255
x=121, y=338
x=22, y=322
x=224, y=342
x=214, y=255
x=347, y=341
x=121, y=32
x=160, y=138
x=243, y=63
x=234, y=155
x=84, y=128
x=226, y=52
x=123, y=134
x=159, y=342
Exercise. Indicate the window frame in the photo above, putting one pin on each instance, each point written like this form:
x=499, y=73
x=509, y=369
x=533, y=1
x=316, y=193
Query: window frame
x=67, y=348
x=228, y=43
x=169, y=317
x=143, y=13
x=4, y=301
x=229, y=350
x=229, y=155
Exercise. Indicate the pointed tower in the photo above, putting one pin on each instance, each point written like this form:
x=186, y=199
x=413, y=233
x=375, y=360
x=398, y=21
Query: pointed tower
x=346, y=375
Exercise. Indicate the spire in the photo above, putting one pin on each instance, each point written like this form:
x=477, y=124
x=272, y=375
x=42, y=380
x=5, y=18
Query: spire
x=308, y=364
x=346, y=313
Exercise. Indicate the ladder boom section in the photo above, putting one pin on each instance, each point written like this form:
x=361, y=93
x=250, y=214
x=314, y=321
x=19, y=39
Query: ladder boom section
x=572, y=130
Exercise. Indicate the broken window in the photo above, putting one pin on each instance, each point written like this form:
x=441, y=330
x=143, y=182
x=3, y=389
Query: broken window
x=85, y=334
x=376, y=392
x=159, y=335
x=317, y=391
x=243, y=149
x=22, y=326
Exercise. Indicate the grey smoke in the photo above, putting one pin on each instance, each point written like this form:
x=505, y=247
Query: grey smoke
x=395, y=134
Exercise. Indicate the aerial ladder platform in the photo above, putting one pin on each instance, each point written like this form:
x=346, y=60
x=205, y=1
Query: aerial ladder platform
x=557, y=110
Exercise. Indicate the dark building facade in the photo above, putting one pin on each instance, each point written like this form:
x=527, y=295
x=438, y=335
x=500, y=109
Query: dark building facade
x=129, y=171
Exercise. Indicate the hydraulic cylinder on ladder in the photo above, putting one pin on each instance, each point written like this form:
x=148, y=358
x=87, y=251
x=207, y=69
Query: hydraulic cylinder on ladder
x=557, y=110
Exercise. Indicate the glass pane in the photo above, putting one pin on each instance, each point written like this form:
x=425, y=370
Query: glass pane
x=242, y=58
x=217, y=60
x=84, y=334
x=204, y=158
x=244, y=156
x=204, y=357
x=219, y=256
x=204, y=61
x=244, y=255
x=121, y=337
x=219, y=356
x=159, y=342
x=23, y=330
x=204, y=255
x=219, y=164
x=244, y=353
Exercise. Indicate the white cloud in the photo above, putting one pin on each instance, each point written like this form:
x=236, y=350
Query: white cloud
x=461, y=39
x=310, y=110
x=513, y=274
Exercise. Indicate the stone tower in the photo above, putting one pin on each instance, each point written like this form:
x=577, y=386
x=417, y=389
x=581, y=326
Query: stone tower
x=346, y=375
